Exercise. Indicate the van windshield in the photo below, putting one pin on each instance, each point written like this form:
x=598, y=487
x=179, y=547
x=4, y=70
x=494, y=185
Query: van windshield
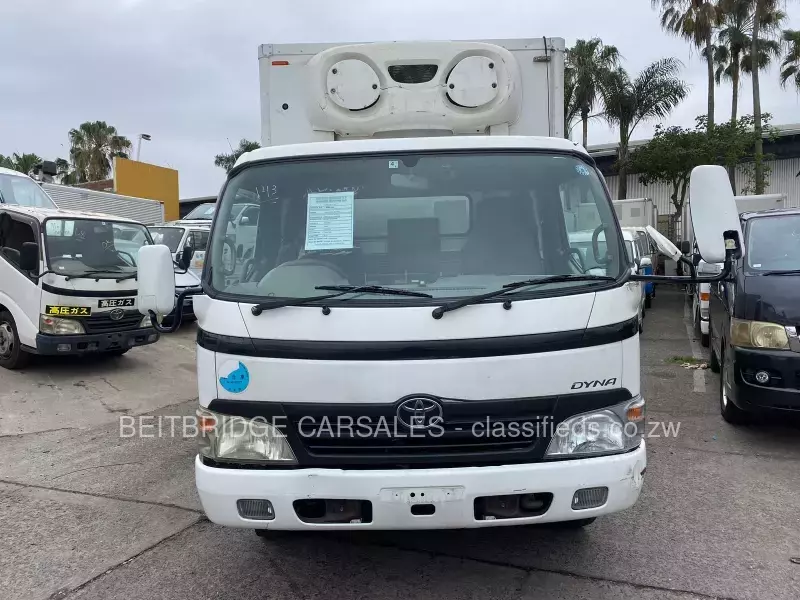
x=450, y=225
x=23, y=192
x=75, y=246
x=169, y=236
x=773, y=243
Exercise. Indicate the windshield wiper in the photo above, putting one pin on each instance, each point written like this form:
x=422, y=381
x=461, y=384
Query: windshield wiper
x=344, y=289
x=784, y=272
x=93, y=274
x=510, y=287
x=373, y=289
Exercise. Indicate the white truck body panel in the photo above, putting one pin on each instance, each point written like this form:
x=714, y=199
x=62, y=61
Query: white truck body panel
x=143, y=210
x=302, y=100
x=636, y=212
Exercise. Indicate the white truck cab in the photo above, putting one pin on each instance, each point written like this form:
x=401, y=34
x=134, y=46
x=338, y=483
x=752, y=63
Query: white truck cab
x=416, y=345
x=67, y=279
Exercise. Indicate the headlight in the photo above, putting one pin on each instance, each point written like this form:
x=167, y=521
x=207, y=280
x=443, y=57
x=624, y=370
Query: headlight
x=615, y=429
x=757, y=334
x=58, y=326
x=237, y=439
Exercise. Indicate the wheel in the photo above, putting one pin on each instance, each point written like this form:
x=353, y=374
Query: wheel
x=713, y=364
x=705, y=340
x=654, y=291
x=577, y=524
x=118, y=352
x=12, y=356
x=729, y=411
x=648, y=301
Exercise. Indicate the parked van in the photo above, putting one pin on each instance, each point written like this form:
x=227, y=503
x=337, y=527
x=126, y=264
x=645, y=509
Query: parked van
x=754, y=320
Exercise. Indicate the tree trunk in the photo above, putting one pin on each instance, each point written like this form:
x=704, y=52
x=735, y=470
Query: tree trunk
x=735, y=82
x=759, y=145
x=585, y=120
x=711, y=83
x=622, y=161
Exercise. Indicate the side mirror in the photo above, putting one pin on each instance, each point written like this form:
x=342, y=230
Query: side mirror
x=156, y=289
x=666, y=247
x=29, y=257
x=686, y=247
x=186, y=257
x=645, y=262
x=715, y=219
x=245, y=221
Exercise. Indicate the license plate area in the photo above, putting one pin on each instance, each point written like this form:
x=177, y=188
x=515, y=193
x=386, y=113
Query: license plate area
x=422, y=495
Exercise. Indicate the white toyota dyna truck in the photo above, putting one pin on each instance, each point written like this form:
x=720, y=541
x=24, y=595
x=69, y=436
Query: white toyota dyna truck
x=415, y=345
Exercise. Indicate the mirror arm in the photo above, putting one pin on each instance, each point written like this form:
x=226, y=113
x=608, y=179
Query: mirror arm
x=176, y=322
x=726, y=270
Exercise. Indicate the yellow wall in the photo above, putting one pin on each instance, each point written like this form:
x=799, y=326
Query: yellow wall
x=143, y=180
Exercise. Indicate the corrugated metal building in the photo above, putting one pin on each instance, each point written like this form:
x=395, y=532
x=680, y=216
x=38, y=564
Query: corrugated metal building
x=149, y=212
x=782, y=179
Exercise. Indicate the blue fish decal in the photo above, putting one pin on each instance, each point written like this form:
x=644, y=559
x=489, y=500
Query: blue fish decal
x=236, y=381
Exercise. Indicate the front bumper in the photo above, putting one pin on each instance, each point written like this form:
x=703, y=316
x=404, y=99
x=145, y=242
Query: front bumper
x=94, y=343
x=219, y=489
x=780, y=394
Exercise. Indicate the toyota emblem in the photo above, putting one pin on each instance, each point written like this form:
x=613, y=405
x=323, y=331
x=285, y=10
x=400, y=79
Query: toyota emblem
x=420, y=412
x=116, y=314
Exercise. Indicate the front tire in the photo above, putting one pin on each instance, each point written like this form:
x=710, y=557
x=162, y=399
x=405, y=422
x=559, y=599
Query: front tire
x=648, y=301
x=12, y=356
x=118, y=352
x=729, y=411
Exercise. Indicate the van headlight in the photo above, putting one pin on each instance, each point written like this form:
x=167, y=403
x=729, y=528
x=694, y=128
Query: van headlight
x=236, y=439
x=615, y=429
x=758, y=334
x=58, y=326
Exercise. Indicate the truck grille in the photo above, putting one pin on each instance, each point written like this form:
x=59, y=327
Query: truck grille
x=103, y=323
x=371, y=436
x=375, y=431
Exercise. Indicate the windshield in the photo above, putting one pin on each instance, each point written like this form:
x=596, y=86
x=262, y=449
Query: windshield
x=202, y=212
x=75, y=246
x=169, y=236
x=773, y=243
x=451, y=225
x=23, y=192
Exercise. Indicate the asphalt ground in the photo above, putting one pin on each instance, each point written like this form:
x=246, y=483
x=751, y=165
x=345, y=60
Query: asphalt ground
x=86, y=512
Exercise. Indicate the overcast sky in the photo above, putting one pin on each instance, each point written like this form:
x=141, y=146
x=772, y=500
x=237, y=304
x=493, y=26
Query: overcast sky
x=186, y=71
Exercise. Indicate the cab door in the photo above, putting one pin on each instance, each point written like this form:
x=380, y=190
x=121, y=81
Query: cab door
x=19, y=291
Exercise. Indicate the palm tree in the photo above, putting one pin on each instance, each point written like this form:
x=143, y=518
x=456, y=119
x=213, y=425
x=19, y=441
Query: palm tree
x=93, y=146
x=763, y=9
x=790, y=67
x=226, y=161
x=66, y=174
x=651, y=95
x=24, y=163
x=571, y=109
x=589, y=62
x=694, y=21
x=733, y=54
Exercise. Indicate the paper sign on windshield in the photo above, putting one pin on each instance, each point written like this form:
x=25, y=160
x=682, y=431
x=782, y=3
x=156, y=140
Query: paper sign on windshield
x=329, y=222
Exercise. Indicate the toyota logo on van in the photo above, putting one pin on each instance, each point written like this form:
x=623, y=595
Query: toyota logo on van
x=420, y=412
x=116, y=314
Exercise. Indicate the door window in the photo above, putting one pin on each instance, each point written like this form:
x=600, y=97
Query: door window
x=13, y=234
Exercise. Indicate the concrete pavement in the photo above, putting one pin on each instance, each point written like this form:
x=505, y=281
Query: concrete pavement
x=88, y=514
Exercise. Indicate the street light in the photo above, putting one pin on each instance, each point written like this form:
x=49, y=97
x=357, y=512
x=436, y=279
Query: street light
x=142, y=136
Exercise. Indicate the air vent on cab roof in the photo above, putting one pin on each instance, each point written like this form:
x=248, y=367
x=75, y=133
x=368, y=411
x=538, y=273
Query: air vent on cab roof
x=353, y=84
x=472, y=82
x=412, y=73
